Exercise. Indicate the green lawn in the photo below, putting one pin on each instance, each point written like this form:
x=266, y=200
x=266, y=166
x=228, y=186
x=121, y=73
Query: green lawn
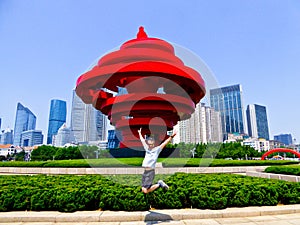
x=137, y=162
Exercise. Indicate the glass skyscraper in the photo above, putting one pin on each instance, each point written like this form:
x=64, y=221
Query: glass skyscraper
x=113, y=139
x=257, y=121
x=228, y=101
x=57, y=117
x=25, y=120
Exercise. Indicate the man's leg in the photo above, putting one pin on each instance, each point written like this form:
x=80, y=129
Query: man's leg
x=152, y=188
x=147, y=181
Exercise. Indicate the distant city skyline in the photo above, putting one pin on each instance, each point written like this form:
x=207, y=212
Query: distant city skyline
x=46, y=45
x=101, y=124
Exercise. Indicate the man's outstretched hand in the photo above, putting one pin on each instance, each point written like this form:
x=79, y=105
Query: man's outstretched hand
x=140, y=131
x=174, y=133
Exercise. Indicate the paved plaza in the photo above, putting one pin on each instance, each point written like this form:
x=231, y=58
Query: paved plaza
x=286, y=219
x=266, y=215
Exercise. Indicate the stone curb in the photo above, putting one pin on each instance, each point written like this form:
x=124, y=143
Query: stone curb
x=291, y=178
x=152, y=215
x=128, y=170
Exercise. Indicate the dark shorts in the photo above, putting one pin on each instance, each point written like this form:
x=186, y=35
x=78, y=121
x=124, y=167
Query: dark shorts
x=148, y=177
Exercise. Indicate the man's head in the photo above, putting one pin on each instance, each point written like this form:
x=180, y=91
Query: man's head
x=150, y=141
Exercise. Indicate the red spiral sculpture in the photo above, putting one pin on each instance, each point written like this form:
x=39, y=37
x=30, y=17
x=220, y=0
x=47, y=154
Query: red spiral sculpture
x=142, y=66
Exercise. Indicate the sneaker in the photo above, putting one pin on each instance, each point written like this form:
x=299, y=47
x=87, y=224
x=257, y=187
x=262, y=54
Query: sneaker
x=163, y=184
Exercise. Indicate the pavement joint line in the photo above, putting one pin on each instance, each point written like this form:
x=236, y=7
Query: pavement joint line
x=151, y=215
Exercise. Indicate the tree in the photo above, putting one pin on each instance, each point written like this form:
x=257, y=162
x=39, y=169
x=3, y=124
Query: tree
x=88, y=152
x=70, y=152
x=43, y=153
x=20, y=156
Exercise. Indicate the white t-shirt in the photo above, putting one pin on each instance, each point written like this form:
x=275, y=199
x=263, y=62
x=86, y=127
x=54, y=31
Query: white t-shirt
x=151, y=155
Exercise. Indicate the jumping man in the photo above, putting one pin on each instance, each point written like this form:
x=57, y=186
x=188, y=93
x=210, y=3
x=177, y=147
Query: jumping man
x=151, y=155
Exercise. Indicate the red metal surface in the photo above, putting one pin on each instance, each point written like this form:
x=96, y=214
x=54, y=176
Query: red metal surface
x=142, y=66
x=280, y=150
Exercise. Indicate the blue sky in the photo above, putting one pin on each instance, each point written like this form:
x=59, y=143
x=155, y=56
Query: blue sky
x=45, y=45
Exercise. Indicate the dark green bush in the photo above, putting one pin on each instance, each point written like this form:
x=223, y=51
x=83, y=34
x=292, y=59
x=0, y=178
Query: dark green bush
x=290, y=170
x=196, y=162
x=67, y=193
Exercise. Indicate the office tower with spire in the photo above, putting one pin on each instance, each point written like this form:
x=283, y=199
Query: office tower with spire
x=229, y=102
x=257, y=121
x=25, y=120
x=87, y=123
x=57, y=117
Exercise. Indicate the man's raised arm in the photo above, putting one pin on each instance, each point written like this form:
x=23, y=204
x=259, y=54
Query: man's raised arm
x=162, y=145
x=142, y=139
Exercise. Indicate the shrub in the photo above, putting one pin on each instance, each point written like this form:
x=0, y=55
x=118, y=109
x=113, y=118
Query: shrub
x=290, y=170
x=202, y=162
x=67, y=193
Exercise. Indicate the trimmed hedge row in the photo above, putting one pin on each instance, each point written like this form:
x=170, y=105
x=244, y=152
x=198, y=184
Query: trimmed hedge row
x=125, y=162
x=290, y=170
x=92, y=192
x=196, y=162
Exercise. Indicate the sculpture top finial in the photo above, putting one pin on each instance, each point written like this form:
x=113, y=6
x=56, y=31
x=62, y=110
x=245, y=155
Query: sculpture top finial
x=141, y=33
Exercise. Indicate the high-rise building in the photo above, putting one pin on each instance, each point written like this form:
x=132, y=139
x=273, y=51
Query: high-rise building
x=228, y=101
x=257, y=121
x=215, y=125
x=204, y=126
x=31, y=138
x=87, y=123
x=64, y=136
x=57, y=117
x=284, y=138
x=6, y=136
x=25, y=120
x=0, y=123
